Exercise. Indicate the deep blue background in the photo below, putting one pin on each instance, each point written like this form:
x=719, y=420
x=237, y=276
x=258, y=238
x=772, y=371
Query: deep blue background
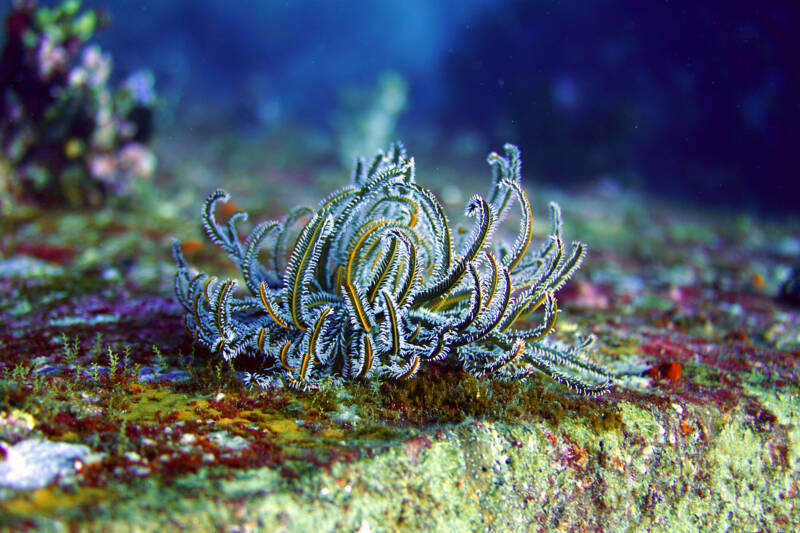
x=697, y=100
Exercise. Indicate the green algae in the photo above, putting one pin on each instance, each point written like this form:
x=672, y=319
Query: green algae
x=784, y=405
x=482, y=475
x=151, y=403
x=717, y=449
x=645, y=467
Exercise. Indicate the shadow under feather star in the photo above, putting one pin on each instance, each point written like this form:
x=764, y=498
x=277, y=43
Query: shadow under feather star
x=375, y=286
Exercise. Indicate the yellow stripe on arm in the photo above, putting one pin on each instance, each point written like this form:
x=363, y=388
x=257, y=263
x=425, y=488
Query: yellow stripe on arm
x=413, y=215
x=304, y=365
x=412, y=370
x=205, y=287
x=495, y=279
x=416, y=332
x=357, y=246
x=518, y=349
x=338, y=282
x=552, y=318
x=312, y=344
x=528, y=216
x=195, y=278
x=362, y=318
x=367, y=357
x=261, y=335
x=283, y=354
x=393, y=323
x=448, y=301
x=526, y=309
x=220, y=301
x=412, y=271
x=393, y=252
x=337, y=197
x=295, y=298
x=268, y=307
x=377, y=257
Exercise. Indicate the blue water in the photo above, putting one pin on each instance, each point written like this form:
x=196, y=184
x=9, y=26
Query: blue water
x=692, y=100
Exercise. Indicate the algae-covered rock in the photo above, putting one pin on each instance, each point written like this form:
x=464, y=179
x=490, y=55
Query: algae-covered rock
x=698, y=432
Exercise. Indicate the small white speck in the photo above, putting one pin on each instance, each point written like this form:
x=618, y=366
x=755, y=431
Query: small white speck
x=132, y=456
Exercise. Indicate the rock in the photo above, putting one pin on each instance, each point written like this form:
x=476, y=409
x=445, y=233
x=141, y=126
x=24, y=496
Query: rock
x=22, y=266
x=225, y=440
x=34, y=463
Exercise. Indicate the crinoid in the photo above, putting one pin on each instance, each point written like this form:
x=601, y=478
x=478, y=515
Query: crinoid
x=374, y=286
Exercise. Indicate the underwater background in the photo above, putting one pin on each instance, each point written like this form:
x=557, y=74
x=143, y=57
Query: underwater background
x=693, y=102
x=696, y=102
x=668, y=132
